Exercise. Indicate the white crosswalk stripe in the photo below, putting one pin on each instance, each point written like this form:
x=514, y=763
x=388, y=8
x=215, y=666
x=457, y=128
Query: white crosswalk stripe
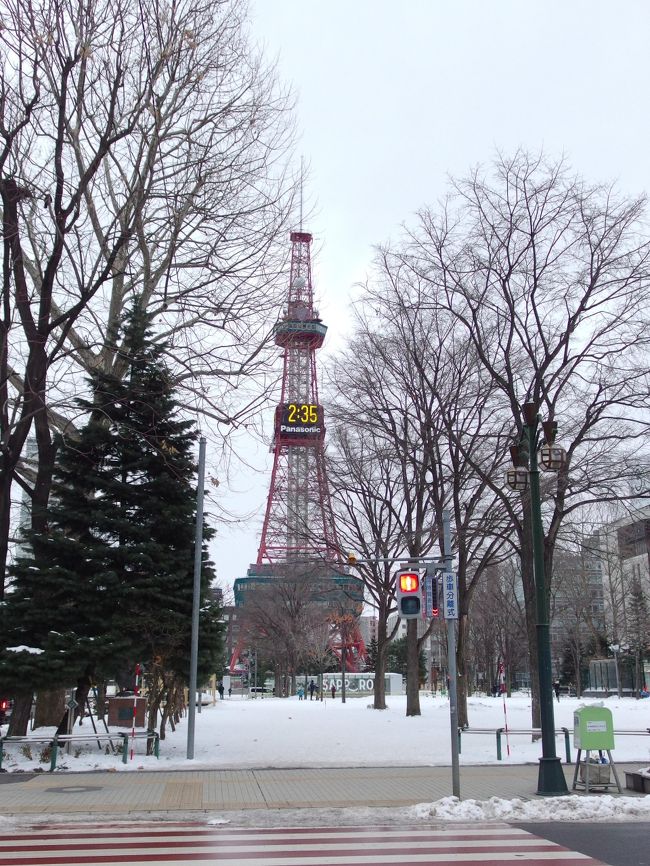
x=131, y=844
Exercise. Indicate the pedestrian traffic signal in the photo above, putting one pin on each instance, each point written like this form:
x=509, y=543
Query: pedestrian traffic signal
x=435, y=606
x=408, y=594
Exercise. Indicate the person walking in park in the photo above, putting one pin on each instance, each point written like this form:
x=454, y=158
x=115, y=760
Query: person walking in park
x=333, y=690
x=220, y=689
x=556, y=689
x=312, y=689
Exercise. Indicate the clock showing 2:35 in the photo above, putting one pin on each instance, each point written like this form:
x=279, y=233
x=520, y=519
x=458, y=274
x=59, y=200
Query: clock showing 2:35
x=302, y=413
x=297, y=421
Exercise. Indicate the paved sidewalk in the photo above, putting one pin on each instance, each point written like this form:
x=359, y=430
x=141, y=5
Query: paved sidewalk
x=122, y=794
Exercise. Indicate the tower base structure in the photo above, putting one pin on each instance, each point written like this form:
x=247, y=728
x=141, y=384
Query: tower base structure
x=333, y=597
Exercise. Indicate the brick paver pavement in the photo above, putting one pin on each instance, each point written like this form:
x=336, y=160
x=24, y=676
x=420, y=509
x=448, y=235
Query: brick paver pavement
x=124, y=793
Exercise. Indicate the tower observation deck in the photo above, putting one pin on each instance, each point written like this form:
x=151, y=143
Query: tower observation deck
x=299, y=532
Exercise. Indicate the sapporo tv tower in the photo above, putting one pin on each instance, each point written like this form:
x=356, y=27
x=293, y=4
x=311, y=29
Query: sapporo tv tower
x=299, y=533
x=298, y=523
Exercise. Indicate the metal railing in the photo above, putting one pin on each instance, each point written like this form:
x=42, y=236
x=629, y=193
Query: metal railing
x=56, y=741
x=500, y=731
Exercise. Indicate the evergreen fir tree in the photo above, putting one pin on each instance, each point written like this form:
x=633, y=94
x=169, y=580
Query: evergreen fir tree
x=371, y=655
x=397, y=659
x=111, y=582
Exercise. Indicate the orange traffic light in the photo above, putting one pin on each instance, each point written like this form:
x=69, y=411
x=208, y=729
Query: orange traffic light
x=408, y=594
x=409, y=581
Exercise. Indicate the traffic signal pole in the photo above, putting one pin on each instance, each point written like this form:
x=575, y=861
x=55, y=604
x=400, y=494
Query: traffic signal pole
x=451, y=663
x=433, y=565
x=196, y=601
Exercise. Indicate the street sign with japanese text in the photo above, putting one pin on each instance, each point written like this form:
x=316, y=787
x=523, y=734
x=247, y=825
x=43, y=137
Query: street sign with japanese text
x=450, y=595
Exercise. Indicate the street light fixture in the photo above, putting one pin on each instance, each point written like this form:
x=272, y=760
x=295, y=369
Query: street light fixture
x=524, y=474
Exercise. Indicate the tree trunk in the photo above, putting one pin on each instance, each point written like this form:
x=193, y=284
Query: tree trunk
x=81, y=696
x=19, y=721
x=101, y=707
x=412, y=672
x=43, y=483
x=461, y=677
x=5, y=518
x=381, y=662
x=49, y=706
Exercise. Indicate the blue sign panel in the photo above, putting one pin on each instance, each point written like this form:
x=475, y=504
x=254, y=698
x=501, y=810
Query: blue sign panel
x=427, y=613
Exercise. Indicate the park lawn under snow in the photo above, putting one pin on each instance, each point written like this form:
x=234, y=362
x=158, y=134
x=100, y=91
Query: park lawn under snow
x=239, y=732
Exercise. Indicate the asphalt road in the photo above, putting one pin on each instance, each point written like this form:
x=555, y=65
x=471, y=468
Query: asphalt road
x=623, y=844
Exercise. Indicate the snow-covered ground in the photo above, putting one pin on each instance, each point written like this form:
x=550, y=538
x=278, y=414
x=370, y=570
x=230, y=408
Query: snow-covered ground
x=271, y=732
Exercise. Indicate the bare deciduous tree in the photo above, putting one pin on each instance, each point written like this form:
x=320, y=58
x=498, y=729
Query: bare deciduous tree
x=412, y=402
x=142, y=152
x=547, y=281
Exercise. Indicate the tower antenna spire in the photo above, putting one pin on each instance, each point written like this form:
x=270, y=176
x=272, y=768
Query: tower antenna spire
x=302, y=182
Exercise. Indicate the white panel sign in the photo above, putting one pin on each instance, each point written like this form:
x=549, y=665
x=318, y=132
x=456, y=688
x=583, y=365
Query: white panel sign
x=450, y=595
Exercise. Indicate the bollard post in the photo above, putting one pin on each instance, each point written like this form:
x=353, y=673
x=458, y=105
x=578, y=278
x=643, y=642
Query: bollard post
x=1, y=751
x=125, y=747
x=567, y=745
x=54, y=749
x=499, y=730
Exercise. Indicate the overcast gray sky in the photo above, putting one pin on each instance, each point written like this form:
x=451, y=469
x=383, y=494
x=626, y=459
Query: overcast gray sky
x=393, y=97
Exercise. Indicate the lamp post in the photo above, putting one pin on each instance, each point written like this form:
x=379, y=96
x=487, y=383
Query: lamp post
x=614, y=647
x=617, y=648
x=551, y=781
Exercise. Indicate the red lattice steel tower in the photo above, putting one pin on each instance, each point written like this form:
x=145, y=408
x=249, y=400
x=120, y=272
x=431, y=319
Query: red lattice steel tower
x=298, y=523
x=298, y=533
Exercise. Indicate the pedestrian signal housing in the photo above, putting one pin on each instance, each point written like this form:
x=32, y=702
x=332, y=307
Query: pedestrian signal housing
x=408, y=585
x=435, y=594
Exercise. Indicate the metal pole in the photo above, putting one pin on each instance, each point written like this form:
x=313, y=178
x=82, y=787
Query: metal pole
x=551, y=781
x=196, y=599
x=451, y=664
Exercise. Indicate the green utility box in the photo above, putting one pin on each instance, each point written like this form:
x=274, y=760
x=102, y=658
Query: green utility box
x=593, y=728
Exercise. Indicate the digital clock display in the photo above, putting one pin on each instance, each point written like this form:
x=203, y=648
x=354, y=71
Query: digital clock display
x=302, y=413
x=299, y=421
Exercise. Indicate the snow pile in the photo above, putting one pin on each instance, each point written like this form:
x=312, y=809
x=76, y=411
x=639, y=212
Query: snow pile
x=600, y=808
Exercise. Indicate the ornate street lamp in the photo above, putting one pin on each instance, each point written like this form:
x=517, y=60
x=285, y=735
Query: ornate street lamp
x=551, y=457
x=517, y=475
x=551, y=781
